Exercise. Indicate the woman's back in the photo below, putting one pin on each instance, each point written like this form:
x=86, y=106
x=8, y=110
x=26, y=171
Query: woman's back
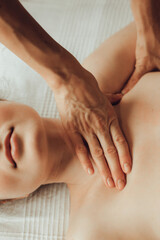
x=100, y=213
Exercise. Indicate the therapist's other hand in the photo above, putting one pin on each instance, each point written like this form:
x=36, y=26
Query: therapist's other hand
x=114, y=98
x=147, y=57
x=90, y=123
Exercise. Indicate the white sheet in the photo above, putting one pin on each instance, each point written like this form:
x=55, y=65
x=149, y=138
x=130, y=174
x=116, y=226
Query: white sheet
x=80, y=26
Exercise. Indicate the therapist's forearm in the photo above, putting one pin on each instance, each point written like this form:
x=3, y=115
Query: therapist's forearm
x=147, y=15
x=29, y=41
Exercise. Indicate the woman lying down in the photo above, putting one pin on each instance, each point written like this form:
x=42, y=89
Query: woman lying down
x=43, y=156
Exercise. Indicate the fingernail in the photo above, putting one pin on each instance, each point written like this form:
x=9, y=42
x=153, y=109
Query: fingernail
x=90, y=171
x=127, y=167
x=110, y=182
x=121, y=184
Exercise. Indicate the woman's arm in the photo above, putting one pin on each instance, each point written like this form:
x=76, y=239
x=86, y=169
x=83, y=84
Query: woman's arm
x=113, y=61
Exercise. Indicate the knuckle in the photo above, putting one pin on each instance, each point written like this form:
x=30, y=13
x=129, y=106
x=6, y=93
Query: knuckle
x=100, y=123
x=111, y=150
x=120, y=139
x=80, y=148
x=102, y=130
x=98, y=152
x=113, y=122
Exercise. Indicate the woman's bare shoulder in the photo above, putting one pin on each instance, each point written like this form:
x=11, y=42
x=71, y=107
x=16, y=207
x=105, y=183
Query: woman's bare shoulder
x=140, y=107
x=146, y=91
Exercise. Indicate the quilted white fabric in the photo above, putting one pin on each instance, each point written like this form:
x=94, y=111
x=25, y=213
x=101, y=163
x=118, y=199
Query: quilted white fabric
x=80, y=26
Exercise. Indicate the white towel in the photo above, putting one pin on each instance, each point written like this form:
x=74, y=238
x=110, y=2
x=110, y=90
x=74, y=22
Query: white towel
x=79, y=26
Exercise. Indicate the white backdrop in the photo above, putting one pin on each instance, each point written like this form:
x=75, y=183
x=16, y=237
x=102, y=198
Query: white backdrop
x=80, y=26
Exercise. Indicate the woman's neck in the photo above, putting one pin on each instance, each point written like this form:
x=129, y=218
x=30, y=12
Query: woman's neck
x=61, y=156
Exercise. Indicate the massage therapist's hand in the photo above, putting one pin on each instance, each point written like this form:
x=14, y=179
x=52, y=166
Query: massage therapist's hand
x=147, y=58
x=86, y=113
x=147, y=19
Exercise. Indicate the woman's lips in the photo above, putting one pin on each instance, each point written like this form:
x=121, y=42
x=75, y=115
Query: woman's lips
x=8, y=147
x=14, y=146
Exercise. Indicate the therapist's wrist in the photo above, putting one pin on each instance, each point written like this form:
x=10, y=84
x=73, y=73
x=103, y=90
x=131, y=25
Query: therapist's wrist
x=66, y=69
x=146, y=15
x=149, y=37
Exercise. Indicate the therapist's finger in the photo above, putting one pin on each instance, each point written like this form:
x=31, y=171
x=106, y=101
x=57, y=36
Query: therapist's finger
x=143, y=66
x=114, y=98
x=82, y=152
x=112, y=159
x=99, y=159
x=121, y=146
x=137, y=74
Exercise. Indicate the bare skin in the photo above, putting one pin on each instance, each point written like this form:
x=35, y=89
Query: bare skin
x=95, y=211
x=86, y=113
x=134, y=212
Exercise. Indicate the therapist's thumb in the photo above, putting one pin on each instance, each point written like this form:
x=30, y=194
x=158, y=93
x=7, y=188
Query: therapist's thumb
x=114, y=98
x=135, y=77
